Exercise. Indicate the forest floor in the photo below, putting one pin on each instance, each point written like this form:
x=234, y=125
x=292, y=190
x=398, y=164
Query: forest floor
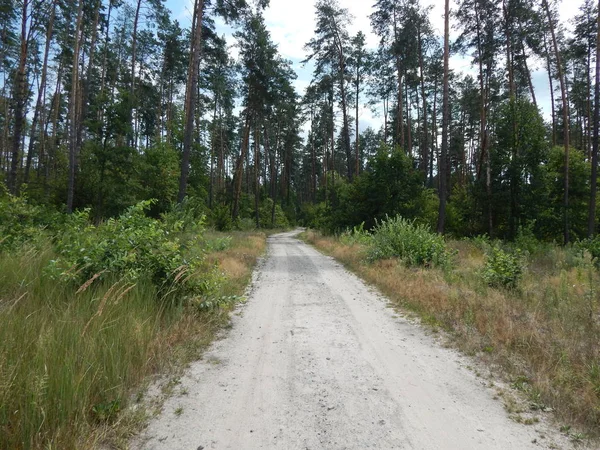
x=315, y=359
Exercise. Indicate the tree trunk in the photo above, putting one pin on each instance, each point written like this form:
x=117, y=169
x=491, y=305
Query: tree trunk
x=445, y=121
x=20, y=100
x=257, y=174
x=594, y=179
x=73, y=111
x=424, y=145
x=400, y=107
x=238, y=174
x=552, y=108
x=563, y=90
x=357, y=138
x=191, y=97
x=41, y=93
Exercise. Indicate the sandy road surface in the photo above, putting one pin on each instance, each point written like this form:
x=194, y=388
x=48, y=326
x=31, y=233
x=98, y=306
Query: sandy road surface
x=315, y=360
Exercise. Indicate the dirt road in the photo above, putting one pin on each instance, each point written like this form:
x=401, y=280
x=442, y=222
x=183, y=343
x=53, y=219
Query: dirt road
x=316, y=360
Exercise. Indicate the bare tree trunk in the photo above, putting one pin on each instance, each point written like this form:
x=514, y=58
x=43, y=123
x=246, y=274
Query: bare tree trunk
x=41, y=94
x=424, y=145
x=20, y=94
x=594, y=179
x=191, y=97
x=565, y=101
x=357, y=139
x=257, y=174
x=238, y=175
x=408, y=121
x=445, y=122
x=400, y=110
x=553, y=110
x=73, y=111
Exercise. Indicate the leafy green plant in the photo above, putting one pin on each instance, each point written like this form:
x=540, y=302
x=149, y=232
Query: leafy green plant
x=414, y=244
x=358, y=235
x=503, y=269
x=593, y=247
x=220, y=218
x=132, y=246
x=21, y=222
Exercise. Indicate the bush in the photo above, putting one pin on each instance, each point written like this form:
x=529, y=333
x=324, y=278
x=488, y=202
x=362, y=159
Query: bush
x=414, y=244
x=131, y=247
x=220, y=218
x=21, y=222
x=593, y=247
x=503, y=269
x=357, y=235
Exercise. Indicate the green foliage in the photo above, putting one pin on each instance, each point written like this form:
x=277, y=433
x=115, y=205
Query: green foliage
x=132, y=247
x=414, y=244
x=389, y=187
x=266, y=215
x=592, y=246
x=358, y=235
x=502, y=268
x=220, y=218
x=21, y=222
x=159, y=166
x=106, y=411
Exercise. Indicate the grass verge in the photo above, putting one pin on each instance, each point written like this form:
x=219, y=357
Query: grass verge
x=72, y=358
x=543, y=336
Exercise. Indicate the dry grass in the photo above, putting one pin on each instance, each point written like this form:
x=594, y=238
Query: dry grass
x=545, y=335
x=72, y=360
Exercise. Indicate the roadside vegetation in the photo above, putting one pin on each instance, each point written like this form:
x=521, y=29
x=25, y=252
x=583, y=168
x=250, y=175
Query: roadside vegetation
x=89, y=312
x=531, y=309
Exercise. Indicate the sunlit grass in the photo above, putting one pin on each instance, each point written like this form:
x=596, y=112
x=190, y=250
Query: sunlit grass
x=70, y=361
x=545, y=332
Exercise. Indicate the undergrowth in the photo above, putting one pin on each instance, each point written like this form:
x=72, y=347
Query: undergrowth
x=533, y=312
x=87, y=313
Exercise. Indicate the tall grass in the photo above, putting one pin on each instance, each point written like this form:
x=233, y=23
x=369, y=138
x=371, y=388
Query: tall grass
x=544, y=332
x=70, y=356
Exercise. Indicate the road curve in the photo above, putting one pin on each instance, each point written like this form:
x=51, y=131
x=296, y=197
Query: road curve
x=316, y=360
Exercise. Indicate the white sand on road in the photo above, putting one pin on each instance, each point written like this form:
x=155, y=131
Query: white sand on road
x=316, y=360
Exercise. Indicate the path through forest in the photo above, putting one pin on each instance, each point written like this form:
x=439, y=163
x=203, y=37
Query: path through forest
x=316, y=360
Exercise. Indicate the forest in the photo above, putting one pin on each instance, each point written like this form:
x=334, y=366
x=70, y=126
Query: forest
x=108, y=103
x=144, y=160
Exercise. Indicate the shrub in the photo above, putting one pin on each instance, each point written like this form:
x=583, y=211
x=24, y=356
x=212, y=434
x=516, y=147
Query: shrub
x=132, y=247
x=414, y=244
x=220, y=218
x=593, y=247
x=358, y=235
x=503, y=269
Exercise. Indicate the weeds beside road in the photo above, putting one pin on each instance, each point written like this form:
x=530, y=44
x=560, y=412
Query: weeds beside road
x=74, y=355
x=542, y=329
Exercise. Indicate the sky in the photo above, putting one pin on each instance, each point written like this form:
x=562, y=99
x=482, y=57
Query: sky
x=292, y=23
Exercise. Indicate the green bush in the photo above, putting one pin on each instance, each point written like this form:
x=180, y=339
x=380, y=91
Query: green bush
x=131, y=247
x=21, y=222
x=592, y=246
x=358, y=235
x=220, y=218
x=503, y=269
x=414, y=244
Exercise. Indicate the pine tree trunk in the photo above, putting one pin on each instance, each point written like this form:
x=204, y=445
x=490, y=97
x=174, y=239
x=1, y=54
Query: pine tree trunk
x=445, y=122
x=239, y=172
x=73, y=111
x=191, y=97
x=357, y=138
x=40, y=96
x=424, y=145
x=20, y=99
x=563, y=90
x=596, y=138
x=257, y=174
